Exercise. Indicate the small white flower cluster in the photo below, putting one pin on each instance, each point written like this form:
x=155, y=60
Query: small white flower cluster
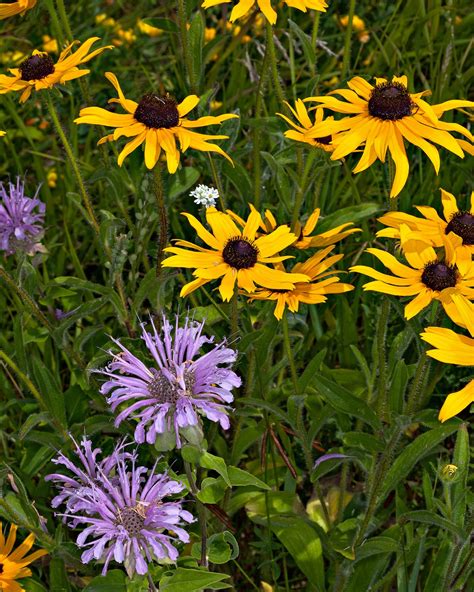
x=205, y=196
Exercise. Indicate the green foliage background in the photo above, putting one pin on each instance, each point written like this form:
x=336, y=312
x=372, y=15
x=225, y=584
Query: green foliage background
x=383, y=519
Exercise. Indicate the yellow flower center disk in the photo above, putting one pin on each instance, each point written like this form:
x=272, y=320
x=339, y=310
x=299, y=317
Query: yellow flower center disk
x=462, y=224
x=36, y=67
x=438, y=276
x=240, y=253
x=131, y=520
x=390, y=100
x=161, y=389
x=157, y=112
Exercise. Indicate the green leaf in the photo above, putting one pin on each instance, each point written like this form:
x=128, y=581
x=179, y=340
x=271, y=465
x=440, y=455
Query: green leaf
x=196, y=43
x=50, y=390
x=114, y=581
x=221, y=548
x=212, y=490
x=190, y=580
x=350, y=214
x=304, y=545
x=412, y=454
x=461, y=459
x=308, y=50
x=58, y=579
x=313, y=367
x=241, y=478
x=182, y=181
x=376, y=545
x=344, y=401
x=206, y=460
x=434, y=520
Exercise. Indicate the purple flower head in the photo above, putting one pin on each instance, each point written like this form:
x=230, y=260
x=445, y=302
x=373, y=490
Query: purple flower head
x=183, y=383
x=21, y=219
x=125, y=516
x=85, y=470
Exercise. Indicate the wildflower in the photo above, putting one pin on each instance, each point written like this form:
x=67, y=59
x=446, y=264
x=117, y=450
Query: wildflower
x=452, y=348
x=50, y=44
x=449, y=472
x=39, y=72
x=358, y=26
x=382, y=116
x=105, y=21
x=304, y=238
x=147, y=29
x=183, y=383
x=302, y=132
x=125, y=514
x=428, y=277
x=12, y=8
x=235, y=255
x=125, y=37
x=156, y=121
x=21, y=219
x=13, y=562
x=52, y=178
x=2, y=133
x=321, y=282
x=432, y=228
x=205, y=196
x=242, y=7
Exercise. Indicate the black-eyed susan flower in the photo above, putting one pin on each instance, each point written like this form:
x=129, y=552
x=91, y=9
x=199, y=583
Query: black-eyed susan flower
x=358, y=25
x=235, y=255
x=242, y=7
x=427, y=276
x=322, y=282
x=13, y=563
x=382, y=117
x=452, y=348
x=39, y=71
x=11, y=8
x=302, y=132
x=156, y=121
x=432, y=227
x=304, y=238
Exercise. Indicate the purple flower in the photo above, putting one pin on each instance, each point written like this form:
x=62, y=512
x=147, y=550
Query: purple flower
x=123, y=510
x=21, y=219
x=184, y=382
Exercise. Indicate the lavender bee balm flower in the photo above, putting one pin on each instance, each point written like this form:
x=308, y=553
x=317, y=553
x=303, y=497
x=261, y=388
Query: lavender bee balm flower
x=183, y=384
x=21, y=219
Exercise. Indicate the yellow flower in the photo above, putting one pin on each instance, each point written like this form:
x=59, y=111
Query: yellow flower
x=125, y=36
x=39, y=72
x=215, y=105
x=149, y=30
x=50, y=44
x=452, y=348
x=13, y=563
x=108, y=22
x=12, y=57
x=427, y=277
x=12, y=8
x=236, y=255
x=322, y=282
x=52, y=178
x=304, y=240
x=381, y=117
x=156, y=121
x=209, y=34
x=242, y=7
x=302, y=132
x=2, y=133
x=358, y=26
x=432, y=228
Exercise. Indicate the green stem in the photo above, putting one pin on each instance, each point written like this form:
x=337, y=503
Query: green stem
x=302, y=188
x=72, y=159
x=234, y=314
x=314, y=34
x=162, y=216
x=257, y=165
x=183, y=30
x=347, y=43
x=65, y=21
x=56, y=26
x=201, y=511
x=277, y=87
x=217, y=182
x=289, y=353
x=381, y=337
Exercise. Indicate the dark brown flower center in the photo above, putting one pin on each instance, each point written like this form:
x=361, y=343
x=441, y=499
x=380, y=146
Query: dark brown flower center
x=438, y=276
x=240, y=253
x=1, y=568
x=36, y=67
x=462, y=224
x=157, y=112
x=390, y=100
x=164, y=391
x=326, y=140
x=131, y=520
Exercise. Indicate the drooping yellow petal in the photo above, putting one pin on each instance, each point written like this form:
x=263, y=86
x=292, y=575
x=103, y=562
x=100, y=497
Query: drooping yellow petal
x=456, y=402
